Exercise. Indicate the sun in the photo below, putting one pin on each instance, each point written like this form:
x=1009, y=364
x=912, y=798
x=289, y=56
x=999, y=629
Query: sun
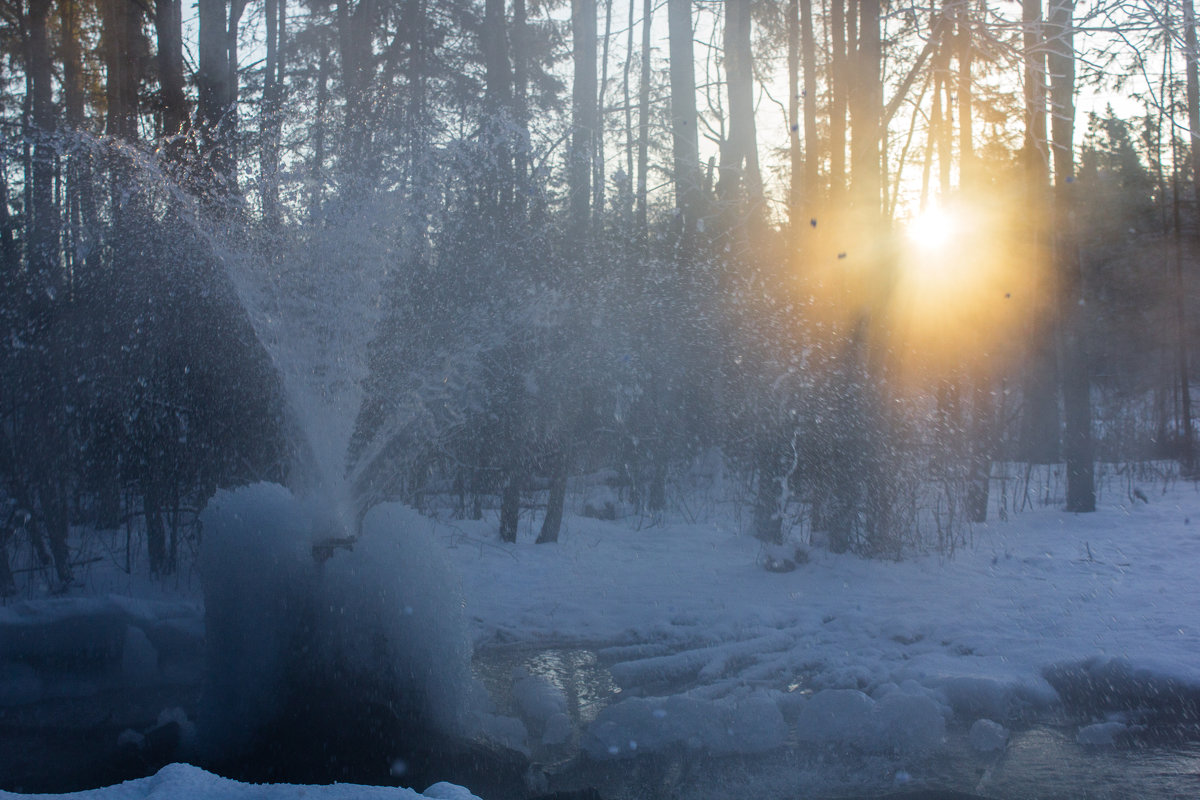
x=931, y=230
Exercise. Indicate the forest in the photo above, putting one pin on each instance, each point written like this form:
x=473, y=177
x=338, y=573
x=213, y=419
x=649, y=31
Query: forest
x=876, y=256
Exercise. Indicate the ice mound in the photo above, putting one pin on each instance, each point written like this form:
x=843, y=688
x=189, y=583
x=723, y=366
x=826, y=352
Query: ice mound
x=373, y=624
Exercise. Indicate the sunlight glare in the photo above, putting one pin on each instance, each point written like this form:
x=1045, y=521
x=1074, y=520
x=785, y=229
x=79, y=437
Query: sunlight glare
x=932, y=229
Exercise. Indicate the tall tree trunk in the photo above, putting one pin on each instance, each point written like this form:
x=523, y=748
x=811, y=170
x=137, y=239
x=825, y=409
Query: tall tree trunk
x=520, y=59
x=317, y=169
x=356, y=26
x=1192, y=69
x=497, y=105
x=122, y=42
x=510, y=506
x=812, y=149
x=866, y=112
x=982, y=424
x=51, y=458
x=966, y=138
x=627, y=202
x=598, y=176
x=1081, y=491
x=214, y=107
x=1187, y=449
x=840, y=79
x=685, y=141
x=552, y=523
x=739, y=180
x=1191, y=58
x=270, y=120
x=643, y=161
x=583, y=114
x=795, y=153
x=1040, y=426
x=168, y=25
x=80, y=223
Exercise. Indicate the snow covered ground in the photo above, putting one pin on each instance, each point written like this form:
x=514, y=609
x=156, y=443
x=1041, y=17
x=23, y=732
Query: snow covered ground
x=1095, y=618
x=179, y=781
x=690, y=605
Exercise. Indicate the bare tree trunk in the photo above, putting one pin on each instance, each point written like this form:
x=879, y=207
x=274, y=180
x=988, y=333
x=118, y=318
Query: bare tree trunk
x=839, y=102
x=510, y=506
x=168, y=25
x=598, y=176
x=583, y=114
x=271, y=121
x=966, y=139
x=685, y=141
x=739, y=180
x=497, y=104
x=1192, y=69
x=1040, y=427
x=552, y=523
x=812, y=149
x=795, y=153
x=644, y=121
x=356, y=27
x=1081, y=492
x=866, y=112
x=317, y=168
x=520, y=63
x=215, y=95
x=1191, y=58
x=1187, y=450
x=627, y=203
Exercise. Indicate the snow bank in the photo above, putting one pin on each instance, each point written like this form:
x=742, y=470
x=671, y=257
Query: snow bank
x=179, y=781
x=68, y=646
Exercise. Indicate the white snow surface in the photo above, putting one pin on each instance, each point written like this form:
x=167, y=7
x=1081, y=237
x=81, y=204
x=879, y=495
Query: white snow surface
x=687, y=609
x=183, y=782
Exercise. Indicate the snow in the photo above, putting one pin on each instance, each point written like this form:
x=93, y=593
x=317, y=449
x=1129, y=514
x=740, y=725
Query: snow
x=709, y=652
x=1043, y=607
x=178, y=781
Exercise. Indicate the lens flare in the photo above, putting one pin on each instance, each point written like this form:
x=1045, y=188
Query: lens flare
x=931, y=230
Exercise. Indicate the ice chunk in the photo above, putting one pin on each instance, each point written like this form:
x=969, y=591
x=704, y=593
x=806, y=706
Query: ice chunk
x=909, y=723
x=836, y=715
x=537, y=699
x=1102, y=734
x=558, y=730
x=987, y=735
